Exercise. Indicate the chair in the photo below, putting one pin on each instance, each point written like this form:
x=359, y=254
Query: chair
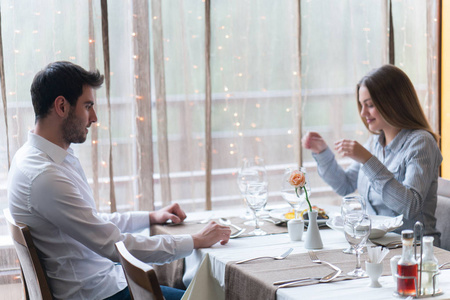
x=33, y=274
x=141, y=277
x=443, y=212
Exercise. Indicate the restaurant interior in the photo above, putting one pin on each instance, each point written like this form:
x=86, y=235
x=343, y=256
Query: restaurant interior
x=197, y=90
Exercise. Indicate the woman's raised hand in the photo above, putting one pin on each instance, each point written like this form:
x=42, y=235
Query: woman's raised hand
x=352, y=149
x=314, y=142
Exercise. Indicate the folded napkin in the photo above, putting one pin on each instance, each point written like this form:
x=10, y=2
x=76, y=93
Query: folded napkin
x=378, y=222
x=386, y=223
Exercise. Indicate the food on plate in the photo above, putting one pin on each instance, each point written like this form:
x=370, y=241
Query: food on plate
x=290, y=215
x=322, y=215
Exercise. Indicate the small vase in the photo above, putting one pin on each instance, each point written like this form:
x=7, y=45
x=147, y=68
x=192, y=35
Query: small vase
x=313, y=239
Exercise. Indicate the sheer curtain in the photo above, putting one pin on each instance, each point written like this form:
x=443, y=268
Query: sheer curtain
x=195, y=86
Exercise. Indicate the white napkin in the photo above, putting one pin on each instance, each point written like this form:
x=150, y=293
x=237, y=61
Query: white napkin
x=378, y=222
x=387, y=223
x=377, y=254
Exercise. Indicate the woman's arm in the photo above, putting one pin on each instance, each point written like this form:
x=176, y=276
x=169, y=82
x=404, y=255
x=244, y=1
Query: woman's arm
x=405, y=191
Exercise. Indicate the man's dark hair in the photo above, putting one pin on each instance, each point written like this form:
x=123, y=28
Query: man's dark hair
x=61, y=78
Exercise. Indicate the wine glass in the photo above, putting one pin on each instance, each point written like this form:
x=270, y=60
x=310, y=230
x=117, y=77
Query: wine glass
x=352, y=204
x=252, y=170
x=256, y=199
x=357, y=230
x=296, y=199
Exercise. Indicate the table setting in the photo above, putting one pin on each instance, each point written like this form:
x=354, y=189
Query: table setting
x=288, y=251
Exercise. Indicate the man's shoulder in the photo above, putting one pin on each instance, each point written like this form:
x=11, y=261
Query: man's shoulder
x=31, y=162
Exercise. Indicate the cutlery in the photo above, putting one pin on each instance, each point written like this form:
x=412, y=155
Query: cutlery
x=391, y=245
x=315, y=259
x=282, y=256
x=315, y=281
x=443, y=265
x=206, y=220
x=277, y=222
x=325, y=278
x=225, y=221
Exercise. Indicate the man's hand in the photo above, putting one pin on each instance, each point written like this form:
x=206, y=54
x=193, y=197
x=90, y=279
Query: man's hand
x=352, y=149
x=211, y=234
x=172, y=212
x=314, y=142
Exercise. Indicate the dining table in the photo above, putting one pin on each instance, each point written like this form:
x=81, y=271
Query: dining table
x=212, y=273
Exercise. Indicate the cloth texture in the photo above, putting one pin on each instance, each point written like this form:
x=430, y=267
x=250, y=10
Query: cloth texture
x=172, y=274
x=400, y=178
x=254, y=280
x=48, y=191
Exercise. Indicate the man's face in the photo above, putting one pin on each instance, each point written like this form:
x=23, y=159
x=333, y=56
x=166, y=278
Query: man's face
x=80, y=118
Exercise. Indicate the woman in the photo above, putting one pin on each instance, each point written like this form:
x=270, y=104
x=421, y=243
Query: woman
x=396, y=171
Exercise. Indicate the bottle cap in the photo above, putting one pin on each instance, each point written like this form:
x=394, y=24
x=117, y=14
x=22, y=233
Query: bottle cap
x=407, y=234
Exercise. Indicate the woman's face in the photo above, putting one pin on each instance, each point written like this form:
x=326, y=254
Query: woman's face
x=373, y=118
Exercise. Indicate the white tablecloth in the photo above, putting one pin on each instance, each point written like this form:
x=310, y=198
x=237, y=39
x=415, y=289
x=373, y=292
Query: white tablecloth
x=205, y=270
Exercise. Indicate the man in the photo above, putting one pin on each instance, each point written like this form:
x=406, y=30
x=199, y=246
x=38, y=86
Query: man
x=48, y=191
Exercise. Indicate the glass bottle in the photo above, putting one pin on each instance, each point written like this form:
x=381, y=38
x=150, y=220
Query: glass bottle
x=407, y=266
x=429, y=267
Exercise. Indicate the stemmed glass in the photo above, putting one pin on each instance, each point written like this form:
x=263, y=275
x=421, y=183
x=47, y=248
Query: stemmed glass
x=357, y=230
x=288, y=191
x=352, y=204
x=256, y=199
x=252, y=170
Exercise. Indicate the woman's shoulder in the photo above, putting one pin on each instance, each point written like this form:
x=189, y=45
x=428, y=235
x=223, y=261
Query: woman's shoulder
x=419, y=138
x=420, y=134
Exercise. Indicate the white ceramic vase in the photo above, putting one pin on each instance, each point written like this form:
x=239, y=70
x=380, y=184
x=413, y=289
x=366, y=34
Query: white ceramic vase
x=313, y=239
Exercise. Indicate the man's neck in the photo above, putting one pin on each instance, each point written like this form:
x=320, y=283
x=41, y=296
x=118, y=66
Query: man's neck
x=51, y=132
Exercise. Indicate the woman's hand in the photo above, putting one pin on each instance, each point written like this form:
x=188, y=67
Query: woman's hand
x=314, y=142
x=352, y=149
x=172, y=212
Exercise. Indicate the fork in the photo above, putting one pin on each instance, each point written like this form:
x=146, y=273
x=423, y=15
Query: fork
x=282, y=256
x=315, y=259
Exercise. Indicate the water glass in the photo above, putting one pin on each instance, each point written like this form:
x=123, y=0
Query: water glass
x=352, y=204
x=256, y=199
x=357, y=230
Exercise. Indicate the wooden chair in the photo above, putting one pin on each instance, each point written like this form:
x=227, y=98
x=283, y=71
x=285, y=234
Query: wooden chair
x=141, y=277
x=443, y=212
x=33, y=274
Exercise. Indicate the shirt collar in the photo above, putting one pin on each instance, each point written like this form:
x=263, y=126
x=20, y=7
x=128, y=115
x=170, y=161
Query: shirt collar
x=56, y=153
x=396, y=144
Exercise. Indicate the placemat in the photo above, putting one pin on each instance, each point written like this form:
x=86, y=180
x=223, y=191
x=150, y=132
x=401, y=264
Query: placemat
x=171, y=274
x=254, y=280
x=192, y=227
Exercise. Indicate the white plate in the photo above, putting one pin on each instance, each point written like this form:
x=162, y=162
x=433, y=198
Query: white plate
x=337, y=223
x=279, y=214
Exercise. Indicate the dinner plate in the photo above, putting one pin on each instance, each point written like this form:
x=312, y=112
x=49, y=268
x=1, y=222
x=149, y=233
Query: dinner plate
x=279, y=214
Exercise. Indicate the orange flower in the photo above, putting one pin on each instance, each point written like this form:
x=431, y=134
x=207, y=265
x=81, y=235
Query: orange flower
x=297, y=179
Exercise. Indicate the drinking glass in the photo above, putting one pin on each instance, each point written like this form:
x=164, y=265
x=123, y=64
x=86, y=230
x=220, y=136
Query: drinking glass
x=251, y=170
x=256, y=199
x=352, y=204
x=288, y=191
x=357, y=230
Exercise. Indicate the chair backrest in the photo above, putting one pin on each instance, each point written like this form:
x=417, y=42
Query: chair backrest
x=141, y=277
x=443, y=212
x=34, y=277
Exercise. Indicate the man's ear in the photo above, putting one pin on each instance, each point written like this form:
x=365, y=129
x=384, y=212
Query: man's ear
x=61, y=106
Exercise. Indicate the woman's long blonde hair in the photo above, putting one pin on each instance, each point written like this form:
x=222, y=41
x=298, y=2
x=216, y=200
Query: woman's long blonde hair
x=395, y=98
